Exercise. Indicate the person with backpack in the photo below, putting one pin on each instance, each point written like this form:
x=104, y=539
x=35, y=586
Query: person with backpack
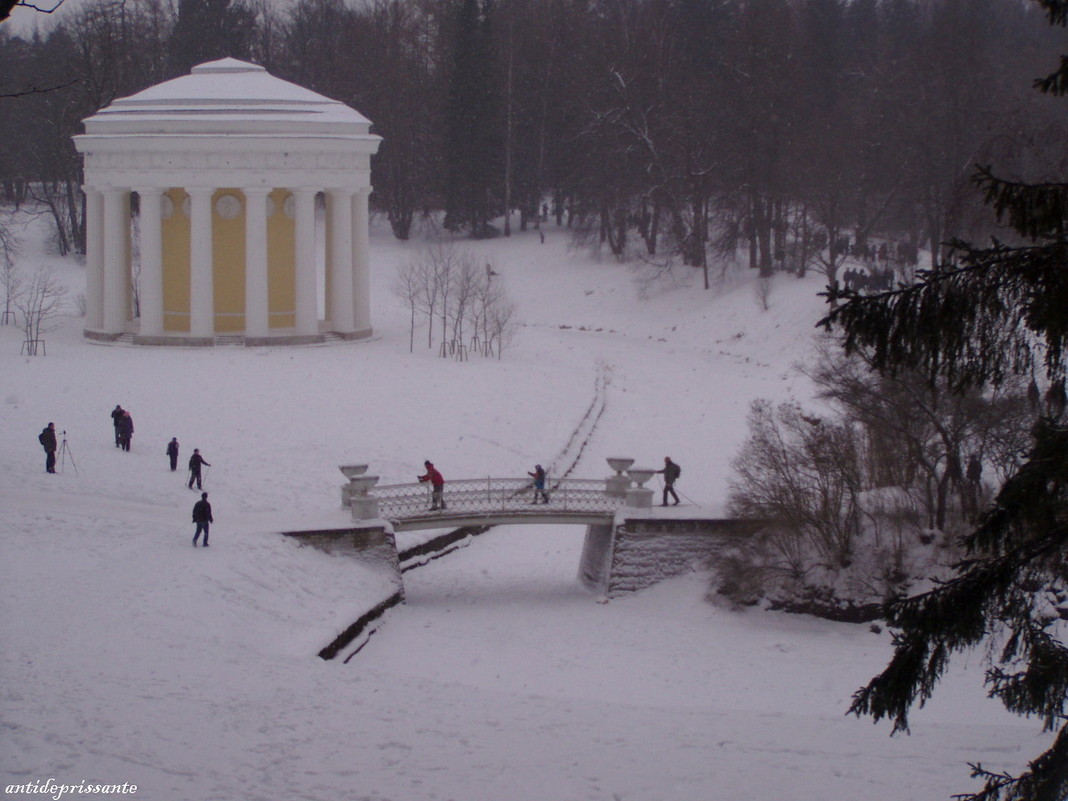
x=539, y=483
x=47, y=438
x=437, y=485
x=202, y=517
x=671, y=473
x=172, y=453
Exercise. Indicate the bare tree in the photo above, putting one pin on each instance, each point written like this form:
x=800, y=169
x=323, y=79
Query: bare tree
x=501, y=320
x=802, y=473
x=40, y=303
x=7, y=6
x=10, y=278
x=406, y=284
x=467, y=279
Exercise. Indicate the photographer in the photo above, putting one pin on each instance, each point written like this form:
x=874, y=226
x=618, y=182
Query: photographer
x=47, y=438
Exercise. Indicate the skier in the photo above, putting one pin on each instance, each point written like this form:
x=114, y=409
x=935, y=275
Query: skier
x=437, y=484
x=172, y=452
x=671, y=473
x=539, y=483
x=202, y=517
x=47, y=438
x=195, y=461
x=126, y=430
x=116, y=417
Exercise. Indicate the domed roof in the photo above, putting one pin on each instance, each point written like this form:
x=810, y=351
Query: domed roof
x=225, y=97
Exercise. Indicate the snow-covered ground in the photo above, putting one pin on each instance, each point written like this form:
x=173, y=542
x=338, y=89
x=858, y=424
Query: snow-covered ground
x=127, y=656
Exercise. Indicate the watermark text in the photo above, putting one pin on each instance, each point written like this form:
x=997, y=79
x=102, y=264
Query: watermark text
x=56, y=791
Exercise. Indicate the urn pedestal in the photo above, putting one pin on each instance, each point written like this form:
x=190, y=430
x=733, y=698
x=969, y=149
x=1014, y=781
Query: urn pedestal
x=616, y=486
x=639, y=497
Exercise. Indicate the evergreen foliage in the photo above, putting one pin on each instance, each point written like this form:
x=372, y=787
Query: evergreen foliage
x=472, y=149
x=985, y=315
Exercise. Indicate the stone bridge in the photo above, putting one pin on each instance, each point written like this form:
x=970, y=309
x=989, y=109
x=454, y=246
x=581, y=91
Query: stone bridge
x=628, y=545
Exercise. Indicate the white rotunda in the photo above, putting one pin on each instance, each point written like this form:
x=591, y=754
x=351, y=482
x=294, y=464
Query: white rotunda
x=229, y=166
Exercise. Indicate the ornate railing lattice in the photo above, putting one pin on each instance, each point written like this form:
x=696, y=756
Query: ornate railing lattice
x=491, y=496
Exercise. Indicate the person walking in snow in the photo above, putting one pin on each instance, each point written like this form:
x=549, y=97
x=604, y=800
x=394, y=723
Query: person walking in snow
x=47, y=438
x=195, y=461
x=437, y=485
x=202, y=517
x=126, y=430
x=116, y=417
x=172, y=452
x=671, y=474
x=539, y=483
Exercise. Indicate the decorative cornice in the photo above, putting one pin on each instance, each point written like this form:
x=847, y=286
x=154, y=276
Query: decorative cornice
x=147, y=161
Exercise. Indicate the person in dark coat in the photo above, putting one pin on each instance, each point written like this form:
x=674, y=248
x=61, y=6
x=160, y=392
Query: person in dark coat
x=195, y=461
x=437, y=485
x=126, y=430
x=172, y=452
x=202, y=517
x=539, y=483
x=116, y=417
x=671, y=473
x=47, y=439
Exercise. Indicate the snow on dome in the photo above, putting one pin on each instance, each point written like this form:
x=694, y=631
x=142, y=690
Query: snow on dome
x=227, y=96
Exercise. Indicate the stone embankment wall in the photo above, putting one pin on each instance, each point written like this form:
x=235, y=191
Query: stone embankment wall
x=636, y=553
x=375, y=545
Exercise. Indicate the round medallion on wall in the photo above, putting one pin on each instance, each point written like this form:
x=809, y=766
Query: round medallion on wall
x=289, y=206
x=187, y=206
x=228, y=207
x=166, y=207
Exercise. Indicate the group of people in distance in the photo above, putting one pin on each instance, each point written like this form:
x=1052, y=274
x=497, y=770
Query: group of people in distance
x=671, y=473
x=123, y=424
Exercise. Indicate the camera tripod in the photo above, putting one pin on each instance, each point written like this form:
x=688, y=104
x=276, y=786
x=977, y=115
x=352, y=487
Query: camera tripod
x=64, y=452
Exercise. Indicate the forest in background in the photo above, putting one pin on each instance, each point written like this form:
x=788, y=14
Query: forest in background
x=681, y=130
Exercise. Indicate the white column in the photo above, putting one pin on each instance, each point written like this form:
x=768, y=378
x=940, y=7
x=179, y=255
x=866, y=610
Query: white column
x=340, y=302
x=201, y=272
x=256, y=295
x=305, y=262
x=116, y=270
x=94, y=258
x=151, y=261
x=362, y=262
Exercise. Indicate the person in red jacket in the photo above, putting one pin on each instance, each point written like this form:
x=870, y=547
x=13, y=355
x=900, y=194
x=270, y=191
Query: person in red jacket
x=437, y=484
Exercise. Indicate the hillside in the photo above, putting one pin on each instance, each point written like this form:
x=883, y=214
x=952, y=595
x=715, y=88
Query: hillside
x=128, y=656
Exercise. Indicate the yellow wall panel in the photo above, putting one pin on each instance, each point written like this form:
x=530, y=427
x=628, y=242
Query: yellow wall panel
x=175, y=235
x=281, y=263
x=228, y=259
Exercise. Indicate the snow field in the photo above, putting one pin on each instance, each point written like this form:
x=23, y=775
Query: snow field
x=128, y=655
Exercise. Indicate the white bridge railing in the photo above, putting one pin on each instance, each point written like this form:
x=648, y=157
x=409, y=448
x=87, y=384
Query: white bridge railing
x=491, y=496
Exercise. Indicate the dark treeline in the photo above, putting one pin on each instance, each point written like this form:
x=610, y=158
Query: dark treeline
x=682, y=128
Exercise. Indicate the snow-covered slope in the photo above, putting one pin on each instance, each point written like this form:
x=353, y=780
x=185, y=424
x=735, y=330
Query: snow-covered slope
x=126, y=655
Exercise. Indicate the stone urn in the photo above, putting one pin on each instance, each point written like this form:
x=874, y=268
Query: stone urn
x=639, y=497
x=616, y=486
